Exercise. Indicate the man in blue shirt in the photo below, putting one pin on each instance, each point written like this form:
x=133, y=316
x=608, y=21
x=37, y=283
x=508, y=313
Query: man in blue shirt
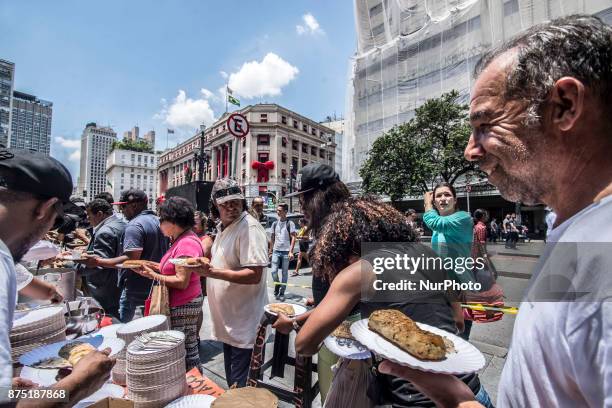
x=143, y=239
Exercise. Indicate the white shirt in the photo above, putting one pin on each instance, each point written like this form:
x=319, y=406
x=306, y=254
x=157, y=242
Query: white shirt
x=24, y=277
x=282, y=239
x=236, y=309
x=8, y=297
x=561, y=351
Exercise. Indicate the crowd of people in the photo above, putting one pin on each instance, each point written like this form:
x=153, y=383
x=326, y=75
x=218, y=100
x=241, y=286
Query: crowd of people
x=540, y=132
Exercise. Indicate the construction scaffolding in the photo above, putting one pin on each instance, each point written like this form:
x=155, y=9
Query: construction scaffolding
x=413, y=50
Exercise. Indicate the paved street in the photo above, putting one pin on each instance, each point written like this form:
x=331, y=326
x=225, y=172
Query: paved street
x=492, y=339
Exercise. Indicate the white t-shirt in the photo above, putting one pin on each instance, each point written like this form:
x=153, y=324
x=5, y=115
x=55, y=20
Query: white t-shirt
x=8, y=296
x=236, y=309
x=24, y=277
x=282, y=239
x=561, y=351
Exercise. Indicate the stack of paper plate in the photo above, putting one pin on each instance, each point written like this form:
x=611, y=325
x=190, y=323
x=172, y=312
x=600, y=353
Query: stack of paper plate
x=36, y=328
x=156, y=368
x=129, y=332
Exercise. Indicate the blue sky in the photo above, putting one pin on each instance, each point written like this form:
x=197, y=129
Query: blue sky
x=163, y=64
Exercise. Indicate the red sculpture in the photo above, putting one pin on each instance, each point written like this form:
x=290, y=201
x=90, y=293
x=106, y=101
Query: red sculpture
x=263, y=170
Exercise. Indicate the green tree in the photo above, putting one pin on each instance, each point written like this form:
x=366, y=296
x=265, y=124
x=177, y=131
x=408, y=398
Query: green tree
x=136, y=146
x=412, y=157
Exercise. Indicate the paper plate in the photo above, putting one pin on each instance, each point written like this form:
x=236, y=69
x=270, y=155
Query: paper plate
x=181, y=262
x=107, y=390
x=179, y=336
x=51, y=350
x=299, y=309
x=142, y=324
x=41, y=376
x=192, y=401
x=108, y=331
x=466, y=359
x=113, y=343
x=37, y=315
x=347, y=348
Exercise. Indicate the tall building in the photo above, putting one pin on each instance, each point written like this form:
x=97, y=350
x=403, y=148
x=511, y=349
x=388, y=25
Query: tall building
x=96, y=143
x=127, y=169
x=132, y=134
x=7, y=80
x=409, y=51
x=31, y=123
x=279, y=141
x=337, y=125
x=150, y=138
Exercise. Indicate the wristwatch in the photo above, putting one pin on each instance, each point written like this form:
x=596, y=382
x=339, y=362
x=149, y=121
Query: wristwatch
x=296, y=325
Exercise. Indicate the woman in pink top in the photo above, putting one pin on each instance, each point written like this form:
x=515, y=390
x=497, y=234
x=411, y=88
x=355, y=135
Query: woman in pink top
x=176, y=222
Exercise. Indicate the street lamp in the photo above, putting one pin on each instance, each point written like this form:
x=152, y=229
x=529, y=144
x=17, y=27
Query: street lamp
x=290, y=182
x=201, y=157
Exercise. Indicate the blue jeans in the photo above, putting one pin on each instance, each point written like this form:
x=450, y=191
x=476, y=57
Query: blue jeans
x=483, y=398
x=237, y=363
x=128, y=304
x=278, y=257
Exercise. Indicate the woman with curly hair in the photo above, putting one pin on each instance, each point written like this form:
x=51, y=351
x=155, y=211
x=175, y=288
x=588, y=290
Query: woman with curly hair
x=176, y=216
x=341, y=226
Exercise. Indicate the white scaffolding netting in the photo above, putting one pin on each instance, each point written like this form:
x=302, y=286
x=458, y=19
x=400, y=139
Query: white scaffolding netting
x=413, y=50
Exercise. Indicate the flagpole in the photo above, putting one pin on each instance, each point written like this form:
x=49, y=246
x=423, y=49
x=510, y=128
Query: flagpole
x=226, y=95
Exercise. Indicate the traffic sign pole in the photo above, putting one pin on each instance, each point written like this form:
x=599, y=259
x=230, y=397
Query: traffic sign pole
x=238, y=125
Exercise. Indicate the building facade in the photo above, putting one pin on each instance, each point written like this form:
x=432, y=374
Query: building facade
x=7, y=80
x=127, y=169
x=338, y=127
x=279, y=141
x=96, y=143
x=31, y=123
x=409, y=51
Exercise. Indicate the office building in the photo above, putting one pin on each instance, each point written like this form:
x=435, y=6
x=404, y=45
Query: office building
x=127, y=169
x=31, y=123
x=96, y=143
x=7, y=80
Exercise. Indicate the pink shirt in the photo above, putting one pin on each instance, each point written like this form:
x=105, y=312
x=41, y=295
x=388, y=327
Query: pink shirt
x=188, y=245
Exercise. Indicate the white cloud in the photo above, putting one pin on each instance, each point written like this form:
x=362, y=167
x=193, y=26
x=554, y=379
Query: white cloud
x=265, y=78
x=223, y=74
x=69, y=143
x=70, y=147
x=185, y=112
x=75, y=156
x=310, y=26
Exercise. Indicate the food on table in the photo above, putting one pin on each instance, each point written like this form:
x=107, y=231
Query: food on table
x=282, y=308
x=402, y=331
x=139, y=263
x=343, y=331
x=75, y=351
x=247, y=397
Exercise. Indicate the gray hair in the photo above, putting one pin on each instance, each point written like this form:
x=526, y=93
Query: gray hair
x=578, y=46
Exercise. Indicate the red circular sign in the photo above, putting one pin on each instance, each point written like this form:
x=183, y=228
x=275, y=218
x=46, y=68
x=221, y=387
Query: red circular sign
x=238, y=125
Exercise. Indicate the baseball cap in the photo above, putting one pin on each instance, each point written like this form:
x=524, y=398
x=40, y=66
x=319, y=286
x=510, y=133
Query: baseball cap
x=36, y=173
x=226, y=189
x=314, y=176
x=132, y=195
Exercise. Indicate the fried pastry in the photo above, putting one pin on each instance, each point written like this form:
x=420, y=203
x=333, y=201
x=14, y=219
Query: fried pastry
x=282, y=308
x=402, y=331
x=343, y=331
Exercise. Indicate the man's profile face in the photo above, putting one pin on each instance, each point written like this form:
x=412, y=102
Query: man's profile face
x=511, y=153
x=229, y=211
x=281, y=211
x=129, y=210
x=258, y=205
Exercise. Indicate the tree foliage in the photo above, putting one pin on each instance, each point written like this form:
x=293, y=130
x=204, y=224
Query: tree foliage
x=412, y=157
x=139, y=145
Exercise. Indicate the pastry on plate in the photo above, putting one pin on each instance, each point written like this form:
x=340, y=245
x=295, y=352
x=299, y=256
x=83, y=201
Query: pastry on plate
x=343, y=331
x=247, y=397
x=75, y=351
x=399, y=329
x=282, y=308
x=139, y=263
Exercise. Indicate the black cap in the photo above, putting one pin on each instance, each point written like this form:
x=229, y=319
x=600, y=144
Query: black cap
x=36, y=173
x=132, y=195
x=315, y=176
